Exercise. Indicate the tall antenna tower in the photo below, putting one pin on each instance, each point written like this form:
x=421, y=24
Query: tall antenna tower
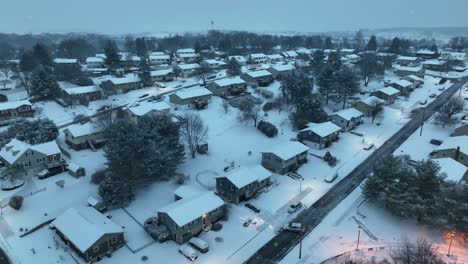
x=212, y=25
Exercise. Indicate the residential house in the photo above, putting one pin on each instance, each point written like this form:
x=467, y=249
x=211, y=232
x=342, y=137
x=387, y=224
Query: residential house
x=121, y=85
x=258, y=78
x=257, y=58
x=81, y=95
x=280, y=70
x=187, y=55
x=426, y=54
x=240, y=59
x=388, y=94
x=187, y=192
x=319, y=136
x=415, y=80
x=166, y=75
x=408, y=61
x=214, y=64
x=14, y=109
x=189, y=96
x=89, y=233
x=61, y=63
x=436, y=65
x=285, y=158
x=454, y=58
x=242, y=184
x=405, y=87
x=347, y=119
x=188, y=70
x=159, y=59
x=386, y=56
x=275, y=58
x=19, y=154
x=461, y=130
x=403, y=71
x=146, y=108
x=187, y=217
x=231, y=86
x=345, y=52
x=453, y=170
x=94, y=62
x=455, y=148
x=83, y=136
x=290, y=54
x=369, y=106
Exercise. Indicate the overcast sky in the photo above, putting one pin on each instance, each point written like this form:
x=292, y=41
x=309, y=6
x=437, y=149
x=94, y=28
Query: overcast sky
x=143, y=16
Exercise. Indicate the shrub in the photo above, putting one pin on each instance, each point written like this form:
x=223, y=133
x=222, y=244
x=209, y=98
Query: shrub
x=16, y=202
x=98, y=176
x=331, y=160
x=270, y=106
x=3, y=98
x=267, y=128
x=144, y=258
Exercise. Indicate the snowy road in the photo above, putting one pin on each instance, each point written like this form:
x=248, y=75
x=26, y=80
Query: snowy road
x=279, y=246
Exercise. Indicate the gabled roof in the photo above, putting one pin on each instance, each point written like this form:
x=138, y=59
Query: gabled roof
x=403, y=83
x=94, y=59
x=14, y=149
x=191, y=66
x=425, y=52
x=161, y=72
x=453, y=169
x=257, y=55
x=349, y=114
x=186, y=210
x=81, y=90
x=14, y=104
x=192, y=92
x=414, y=78
x=275, y=57
x=229, y=81
x=62, y=60
x=455, y=142
x=435, y=62
x=407, y=68
x=241, y=177
x=407, y=58
x=290, y=53
x=389, y=91
x=78, y=130
x=188, y=191
x=84, y=227
x=257, y=74
x=323, y=129
x=282, y=67
x=238, y=58
x=145, y=107
x=288, y=150
x=124, y=80
x=159, y=57
x=371, y=99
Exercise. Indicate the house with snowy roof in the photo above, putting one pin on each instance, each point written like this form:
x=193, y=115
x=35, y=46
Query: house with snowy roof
x=320, y=135
x=89, y=233
x=119, y=85
x=81, y=95
x=146, y=108
x=19, y=154
x=436, y=65
x=290, y=54
x=188, y=217
x=405, y=87
x=403, y=71
x=165, y=75
x=159, y=59
x=415, y=80
x=426, y=54
x=94, y=62
x=455, y=148
x=187, y=70
x=14, y=109
x=453, y=170
x=231, y=86
x=83, y=136
x=243, y=183
x=347, y=119
x=240, y=59
x=285, y=157
x=258, y=78
x=408, y=61
x=369, y=106
x=461, y=130
x=214, y=64
x=190, y=96
x=257, y=58
x=280, y=70
x=387, y=94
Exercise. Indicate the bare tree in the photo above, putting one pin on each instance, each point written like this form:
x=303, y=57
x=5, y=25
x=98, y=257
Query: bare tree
x=452, y=107
x=203, y=72
x=249, y=111
x=193, y=131
x=420, y=252
x=376, y=107
x=107, y=117
x=6, y=72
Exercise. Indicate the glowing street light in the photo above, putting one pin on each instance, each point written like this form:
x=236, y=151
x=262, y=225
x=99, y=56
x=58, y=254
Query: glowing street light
x=358, y=237
x=452, y=234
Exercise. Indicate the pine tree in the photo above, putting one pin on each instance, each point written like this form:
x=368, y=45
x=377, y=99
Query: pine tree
x=334, y=60
x=116, y=191
x=372, y=44
x=112, y=56
x=317, y=61
x=346, y=84
x=325, y=82
x=43, y=83
x=233, y=68
x=145, y=73
x=395, y=46
x=42, y=55
x=141, y=48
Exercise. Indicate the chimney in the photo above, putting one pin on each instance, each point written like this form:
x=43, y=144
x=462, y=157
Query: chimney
x=457, y=153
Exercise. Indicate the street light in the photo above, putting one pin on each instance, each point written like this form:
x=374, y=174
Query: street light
x=452, y=234
x=358, y=237
x=300, y=184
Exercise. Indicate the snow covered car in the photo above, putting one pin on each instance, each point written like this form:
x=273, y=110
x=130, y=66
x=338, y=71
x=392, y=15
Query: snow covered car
x=293, y=227
x=331, y=177
x=432, y=95
x=188, y=252
x=294, y=207
x=160, y=84
x=368, y=146
x=199, y=244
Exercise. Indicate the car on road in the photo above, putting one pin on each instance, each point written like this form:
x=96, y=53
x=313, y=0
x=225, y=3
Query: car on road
x=368, y=146
x=178, y=86
x=331, y=177
x=160, y=84
x=441, y=88
x=293, y=227
x=294, y=207
x=423, y=102
x=188, y=252
x=432, y=95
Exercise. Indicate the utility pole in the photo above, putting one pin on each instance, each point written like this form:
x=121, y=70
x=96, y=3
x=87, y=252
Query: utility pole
x=212, y=25
x=422, y=121
x=300, y=242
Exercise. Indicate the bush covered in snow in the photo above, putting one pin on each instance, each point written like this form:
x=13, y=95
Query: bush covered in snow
x=267, y=128
x=34, y=132
x=331, y=160
x=98, y=176
x=16, y=202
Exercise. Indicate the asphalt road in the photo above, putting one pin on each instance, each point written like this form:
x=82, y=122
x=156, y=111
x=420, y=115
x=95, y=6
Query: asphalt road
x=279, y=246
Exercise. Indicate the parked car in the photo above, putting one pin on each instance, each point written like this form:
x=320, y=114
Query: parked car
x=423, y=102
x=252, y=207
x=368, y=146
x=160, y=85
x=46, y=173
x=188, y=252
x=294, y=207
x=432, y=95
x=331, y=177
x=293, y=227
x=436, y=142
x=143, y=96
x=199, y=244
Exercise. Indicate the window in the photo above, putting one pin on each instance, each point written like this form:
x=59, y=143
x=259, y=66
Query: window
x=96, y=248
x=114, y=240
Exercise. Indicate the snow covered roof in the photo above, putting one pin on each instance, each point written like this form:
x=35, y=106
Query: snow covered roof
x=124, y=80
x=324, y=129
x=229, y=81
x=79, y=130
x=290, y=53
x=288, y=150
x=157, y=53
x=403, y=83
x=74, y=167
x=455, y=142
x=435, y=62
x=415, y=78
x=371, y=99
x=425, y=52
x=407, y=58
x=62, y=60
x=14, y=149
x=257, y=55
x=190, y=66
x=347, y=50
x=453, y=169
x=217, y=62
x=94, y=59
x=84, y=227
x=275, y=57
x=145, y=107
x=261, y=172
x=161, y=72
x=193, y=92
x=159, y=57
x=407, y=68
x=186, y=50
x=257, y=74
x=241, y=177
x=188, y=191
x=349, y=113
x=389, y=91
x=283, y=67
x=81, y=90
x=185, y=211
x=238, y=58
x=14, y=104
x=188, y=55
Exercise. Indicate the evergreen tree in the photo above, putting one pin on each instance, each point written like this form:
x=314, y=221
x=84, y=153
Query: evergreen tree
x=27, y=61
x=141, y=48
x=328, y=43
x=395, y=47
x=112, y=56
x=307, y=109
x=334, y=60
x=43, y=83
x=434, y=48
x=325, y=82
x=317, y=62
x=145, y=73
x=234, y=68
x=346, y=84
x=42, y=55
x=372, y=44
x=116, y=191
x=33, y=132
